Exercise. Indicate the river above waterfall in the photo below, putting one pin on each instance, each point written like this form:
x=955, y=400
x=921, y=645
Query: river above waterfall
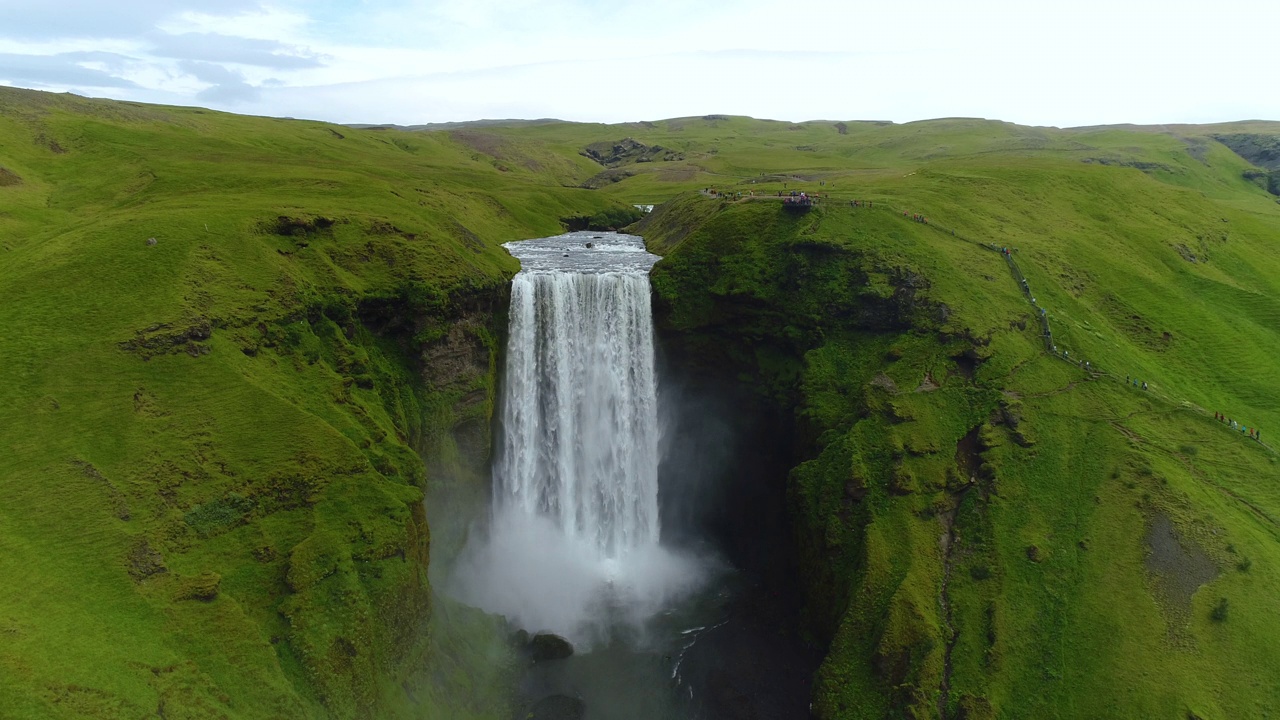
x=584, y=252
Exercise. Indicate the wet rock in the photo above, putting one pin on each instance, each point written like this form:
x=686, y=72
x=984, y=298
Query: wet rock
x=545, y=646
x=558, y=707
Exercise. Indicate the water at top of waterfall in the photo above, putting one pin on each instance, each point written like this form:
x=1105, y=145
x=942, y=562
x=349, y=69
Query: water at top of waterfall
x=609, y=253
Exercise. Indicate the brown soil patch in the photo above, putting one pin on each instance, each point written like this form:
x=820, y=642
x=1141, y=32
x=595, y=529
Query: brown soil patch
x=9, y=177
x=1178, y=567
x=487, y=143
x=969, y=454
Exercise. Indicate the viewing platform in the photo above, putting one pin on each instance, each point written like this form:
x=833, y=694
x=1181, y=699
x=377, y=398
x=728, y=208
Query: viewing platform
x=797, y=203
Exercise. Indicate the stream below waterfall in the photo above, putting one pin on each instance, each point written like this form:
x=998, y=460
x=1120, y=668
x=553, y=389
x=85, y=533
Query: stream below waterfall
x=573, y=541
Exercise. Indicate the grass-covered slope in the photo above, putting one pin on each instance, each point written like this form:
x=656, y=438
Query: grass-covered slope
x=988, y=530
x=211, y=492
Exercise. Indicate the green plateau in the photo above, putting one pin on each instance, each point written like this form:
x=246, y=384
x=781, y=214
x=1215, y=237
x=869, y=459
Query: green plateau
x=246, y=359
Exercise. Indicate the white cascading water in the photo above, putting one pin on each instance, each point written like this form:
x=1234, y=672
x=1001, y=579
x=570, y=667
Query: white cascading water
x=573, y=541
x=579, y=408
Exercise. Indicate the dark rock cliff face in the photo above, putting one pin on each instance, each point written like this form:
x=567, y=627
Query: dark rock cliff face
x=453, y=349
x=460, y=366
x=1261, y=150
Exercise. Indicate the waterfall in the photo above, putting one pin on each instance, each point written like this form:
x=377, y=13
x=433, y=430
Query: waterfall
x=572, y=544
x=579, y=438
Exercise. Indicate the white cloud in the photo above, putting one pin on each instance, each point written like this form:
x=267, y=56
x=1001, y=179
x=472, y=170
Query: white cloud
x=262, y=23
x=411, y=61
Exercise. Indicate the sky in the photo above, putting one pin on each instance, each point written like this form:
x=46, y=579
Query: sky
x=1032, y=62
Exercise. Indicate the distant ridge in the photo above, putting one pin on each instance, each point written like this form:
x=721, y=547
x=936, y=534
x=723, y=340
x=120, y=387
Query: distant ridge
x=1263, y=126
x=455, y=125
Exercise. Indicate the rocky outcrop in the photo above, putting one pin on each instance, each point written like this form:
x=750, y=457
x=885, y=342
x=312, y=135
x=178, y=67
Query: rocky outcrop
x=546, y=646
x=165, y=339
x=1261, y=150
x=628, y=150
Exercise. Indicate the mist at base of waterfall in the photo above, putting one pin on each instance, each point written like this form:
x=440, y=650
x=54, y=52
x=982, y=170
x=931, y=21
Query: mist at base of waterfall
x=525, y=568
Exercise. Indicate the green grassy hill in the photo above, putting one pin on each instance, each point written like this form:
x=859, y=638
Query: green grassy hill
x=215, y=446
x=989, y=530
x=212, y=499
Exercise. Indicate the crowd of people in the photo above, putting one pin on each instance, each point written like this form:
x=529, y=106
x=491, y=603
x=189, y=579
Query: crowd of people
x=1254, y=433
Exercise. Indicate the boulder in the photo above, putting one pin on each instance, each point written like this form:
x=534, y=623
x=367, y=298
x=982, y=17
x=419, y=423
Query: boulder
x=545, y=646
